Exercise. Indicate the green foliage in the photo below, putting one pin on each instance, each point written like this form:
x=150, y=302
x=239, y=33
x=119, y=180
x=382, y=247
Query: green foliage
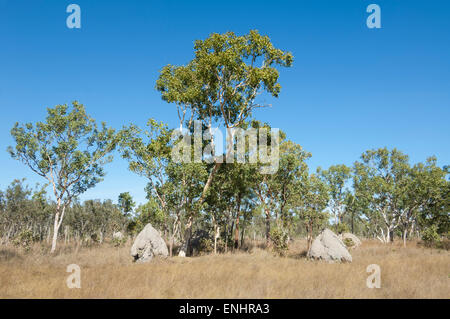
x=279, y=239
x=22, y=209
x=125, y=203
x=68, y=149
x=348, y=242
x=206, y=245
x=430, y=236
x=118, y=242
x=149, y=212
x=336, y=178
x=340, y=228
x=225, y=76
x=219, y=86
x=25, y=239
x=395, y=195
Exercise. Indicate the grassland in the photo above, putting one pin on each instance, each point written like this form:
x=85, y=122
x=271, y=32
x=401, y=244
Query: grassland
x=107, y=272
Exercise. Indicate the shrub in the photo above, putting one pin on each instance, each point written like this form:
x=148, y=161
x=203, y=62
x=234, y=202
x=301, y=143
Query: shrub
x=206, y=245
x=280, y=241
x=349, y=242
x=431, y=237
x=25, y=239
x=201, y=242
x=118, y=242
x=341, y=228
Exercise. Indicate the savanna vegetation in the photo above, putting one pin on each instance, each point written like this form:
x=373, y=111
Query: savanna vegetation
x=213, y=207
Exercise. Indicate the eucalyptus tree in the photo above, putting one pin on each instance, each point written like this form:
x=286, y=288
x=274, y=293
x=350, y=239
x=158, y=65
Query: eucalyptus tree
x=382, y=179
x=277, y=191
x=237, y=182
x=151, y=212
x=148, y=152
x=186, y=181
x=126, y=203
x=229, y=199
x=220, y=86
x=336, y=178
x=217, y=205
x=354, y=212
x=289, y=179
x=309, y=204
x=426, y=188
x=69, y=150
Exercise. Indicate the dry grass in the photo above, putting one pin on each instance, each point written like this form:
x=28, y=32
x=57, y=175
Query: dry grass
x=107, y=272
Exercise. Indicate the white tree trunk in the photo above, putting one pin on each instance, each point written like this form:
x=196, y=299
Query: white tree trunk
x=187, y=237
x=55, y=232
x=56, y=225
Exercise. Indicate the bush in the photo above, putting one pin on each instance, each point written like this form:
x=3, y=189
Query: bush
x=349, y=242
x=206, y=245
x=431, y=237
x=201, y=242
x=25, y=239
x=118, y=242
x=280, y=241
x=341, y=228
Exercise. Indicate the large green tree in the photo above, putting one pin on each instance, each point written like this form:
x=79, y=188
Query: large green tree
x=381, y=180
x=220, y=86
x=336, y=178
x=426, y=197
x=69, y=150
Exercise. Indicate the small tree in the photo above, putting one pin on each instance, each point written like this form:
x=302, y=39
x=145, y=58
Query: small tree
x=68, y=150
x=310, y=205
x=336, y=178
x=126, y=203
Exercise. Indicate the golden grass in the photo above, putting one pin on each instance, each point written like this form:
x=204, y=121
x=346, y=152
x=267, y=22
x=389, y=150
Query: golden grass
x=107, y=272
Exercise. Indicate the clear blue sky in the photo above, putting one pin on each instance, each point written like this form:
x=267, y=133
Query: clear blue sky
x=351, y=88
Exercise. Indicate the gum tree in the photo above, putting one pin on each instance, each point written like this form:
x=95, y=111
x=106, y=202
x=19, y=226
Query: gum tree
x=172, y=187
x=425, y=187
x=336, y=178
x=382, y=181
x=125, y=203
x=309, y=203
x=69, y=150
x=221, y=84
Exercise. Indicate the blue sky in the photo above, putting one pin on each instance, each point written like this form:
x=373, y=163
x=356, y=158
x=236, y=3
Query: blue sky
x=351, y=88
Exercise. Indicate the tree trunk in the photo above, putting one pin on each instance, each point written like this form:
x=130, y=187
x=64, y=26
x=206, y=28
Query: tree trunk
x=226, y=237
x=236, y=230
x=56, y=225
x=267, y=228
x=353, y=216
x=216, y=236
x=209, y=181
x=236, y=233
x=309, y=236
x=405, y=232
x=59, y=215
x=187, y=238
